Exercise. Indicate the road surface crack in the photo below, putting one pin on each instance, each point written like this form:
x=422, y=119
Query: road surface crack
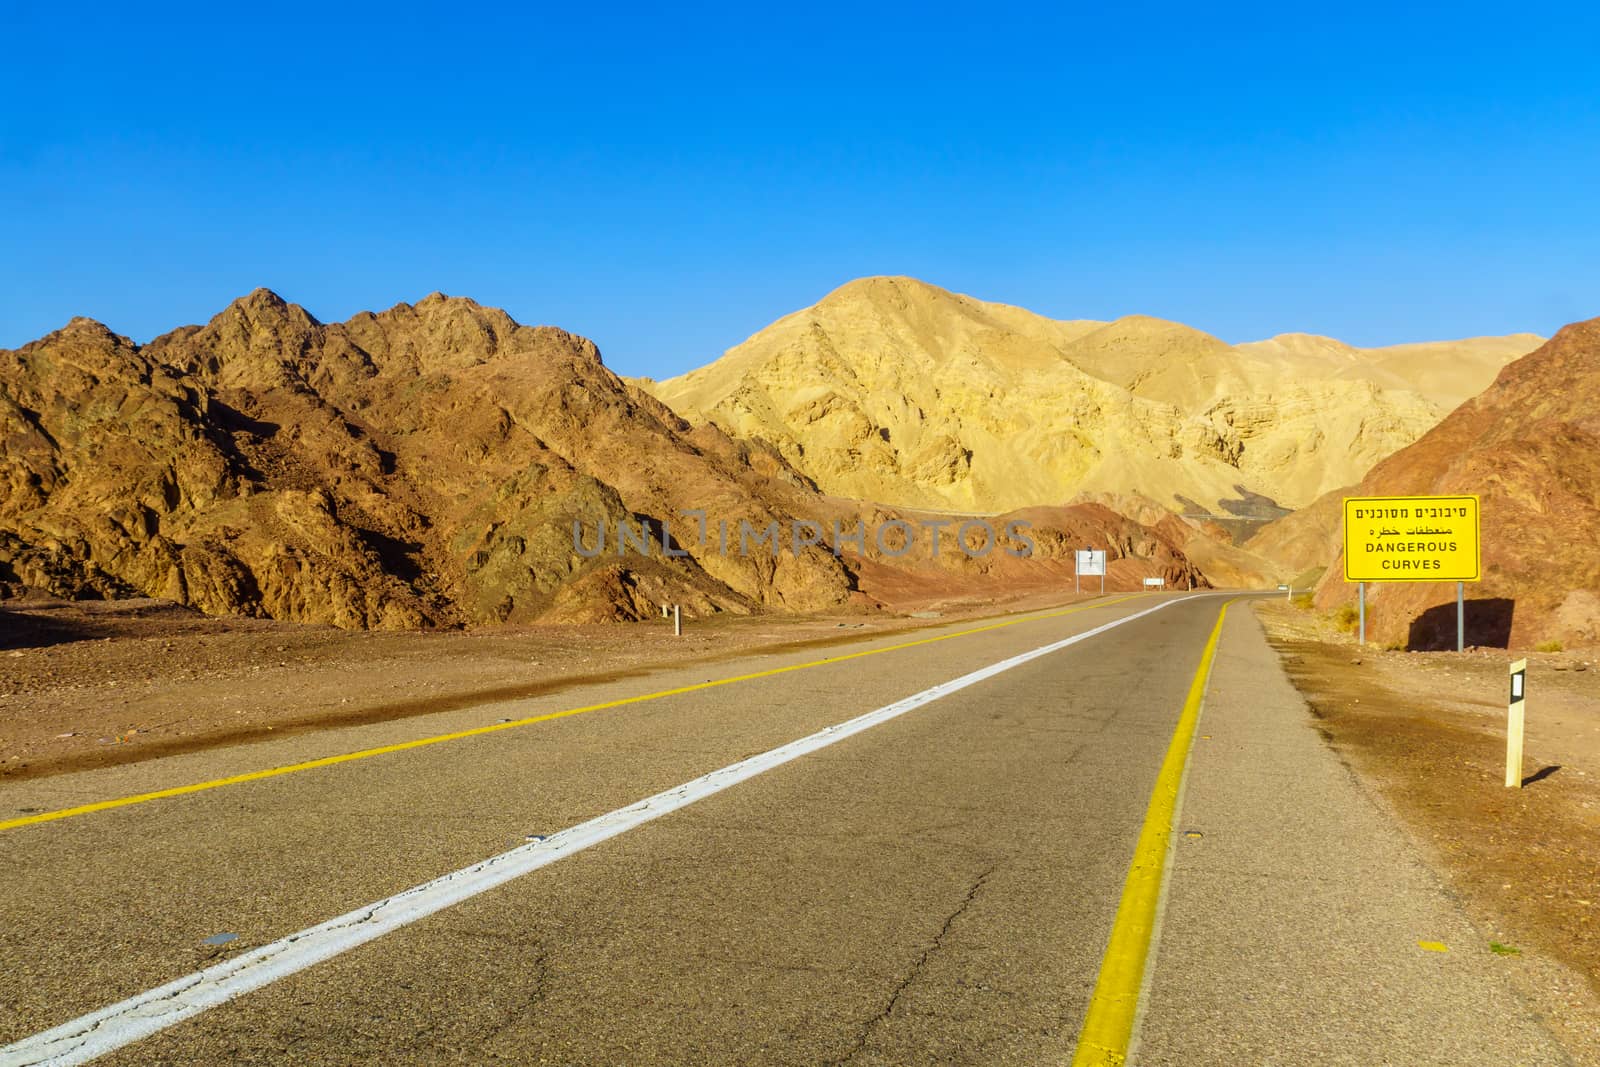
x=870, y=1025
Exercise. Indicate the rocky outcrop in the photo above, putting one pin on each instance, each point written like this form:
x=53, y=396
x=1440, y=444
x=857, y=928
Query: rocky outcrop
x=419, y=466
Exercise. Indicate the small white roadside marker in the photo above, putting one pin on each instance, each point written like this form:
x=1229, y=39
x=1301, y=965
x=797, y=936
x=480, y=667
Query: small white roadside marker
x=1514, y=724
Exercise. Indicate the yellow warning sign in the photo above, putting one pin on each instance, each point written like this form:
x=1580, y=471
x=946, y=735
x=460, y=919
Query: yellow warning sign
x=1410, y=538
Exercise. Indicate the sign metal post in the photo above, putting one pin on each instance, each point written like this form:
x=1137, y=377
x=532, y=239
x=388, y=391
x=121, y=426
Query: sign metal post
x=1090, y=561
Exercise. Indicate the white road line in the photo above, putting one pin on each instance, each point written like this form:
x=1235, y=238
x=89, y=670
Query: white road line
x=85, y=1038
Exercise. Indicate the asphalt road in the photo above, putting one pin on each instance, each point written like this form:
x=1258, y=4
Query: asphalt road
x=936, y=889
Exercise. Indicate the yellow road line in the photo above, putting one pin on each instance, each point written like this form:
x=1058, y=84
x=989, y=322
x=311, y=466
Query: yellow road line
x=422, y=742
x=1114, y=1006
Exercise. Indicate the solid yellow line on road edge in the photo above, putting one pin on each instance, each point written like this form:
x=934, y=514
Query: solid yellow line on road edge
x=1114, y=1006
x=422, y=742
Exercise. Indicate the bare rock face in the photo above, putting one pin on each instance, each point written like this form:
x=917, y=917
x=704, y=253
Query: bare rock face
x=896, y=391
x=420, y=466
x=1529, y=446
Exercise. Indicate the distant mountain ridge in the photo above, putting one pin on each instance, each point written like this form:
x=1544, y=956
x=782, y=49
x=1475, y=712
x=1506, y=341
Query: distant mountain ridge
x=423, y=466
x=1445, y=372
x=893, y=390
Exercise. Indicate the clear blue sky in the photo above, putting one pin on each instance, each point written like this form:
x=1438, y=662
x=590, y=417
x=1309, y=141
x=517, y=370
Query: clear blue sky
x=667, y=180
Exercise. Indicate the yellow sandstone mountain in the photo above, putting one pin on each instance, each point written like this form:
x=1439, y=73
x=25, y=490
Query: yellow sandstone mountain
x=896, y=391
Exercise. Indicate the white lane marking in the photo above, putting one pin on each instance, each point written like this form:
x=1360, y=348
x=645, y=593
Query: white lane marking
x=121, y=1024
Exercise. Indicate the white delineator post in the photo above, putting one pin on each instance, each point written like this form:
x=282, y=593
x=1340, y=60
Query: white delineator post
x=1514, y=721
x=677, y=620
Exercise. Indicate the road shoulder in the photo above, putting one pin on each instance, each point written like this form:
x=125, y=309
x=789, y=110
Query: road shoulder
x=1302, y=923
